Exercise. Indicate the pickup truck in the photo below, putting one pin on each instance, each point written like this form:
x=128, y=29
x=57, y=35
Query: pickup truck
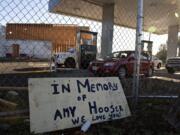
x=66, y=59
x=173, y=64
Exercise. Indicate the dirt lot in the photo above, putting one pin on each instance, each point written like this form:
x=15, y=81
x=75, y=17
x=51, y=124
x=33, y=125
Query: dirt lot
x=20, y=67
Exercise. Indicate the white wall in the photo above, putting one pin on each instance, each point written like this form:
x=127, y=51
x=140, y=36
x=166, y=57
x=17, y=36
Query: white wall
x=2, y=37
x=4, y=48
x=36, y=49
x=2, y=31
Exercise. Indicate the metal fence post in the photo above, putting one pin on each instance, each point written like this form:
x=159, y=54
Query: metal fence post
x=139, y=30
x=51, y=68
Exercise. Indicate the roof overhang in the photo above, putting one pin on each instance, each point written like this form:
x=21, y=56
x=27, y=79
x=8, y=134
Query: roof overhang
x=158, y=14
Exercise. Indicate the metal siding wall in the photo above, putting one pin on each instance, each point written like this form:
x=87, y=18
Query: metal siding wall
x=62, y=36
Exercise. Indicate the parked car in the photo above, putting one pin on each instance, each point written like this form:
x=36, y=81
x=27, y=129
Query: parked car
x=173, y=64
x=157, y=62
x=121, y=64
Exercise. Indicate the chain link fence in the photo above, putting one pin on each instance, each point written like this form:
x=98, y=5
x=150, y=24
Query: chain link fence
x=66, y=38
x=31, y=36
x=32, y=33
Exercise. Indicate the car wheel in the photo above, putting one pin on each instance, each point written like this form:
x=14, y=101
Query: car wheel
x=150, y=72
x=122, y=72
x=159, y=66
x=70, y=63
x=170, y=70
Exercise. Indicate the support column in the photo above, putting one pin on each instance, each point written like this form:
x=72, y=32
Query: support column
x=107, y=29
x=172, y=41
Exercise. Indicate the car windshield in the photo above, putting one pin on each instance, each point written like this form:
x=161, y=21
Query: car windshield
x=118, y=55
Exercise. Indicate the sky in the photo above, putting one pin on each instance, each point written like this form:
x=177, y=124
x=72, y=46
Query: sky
x=36, y=11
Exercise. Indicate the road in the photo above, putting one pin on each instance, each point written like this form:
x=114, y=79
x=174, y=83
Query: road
x=163, y=73
x=28, y=67
x=31, y=67
x=18, y=72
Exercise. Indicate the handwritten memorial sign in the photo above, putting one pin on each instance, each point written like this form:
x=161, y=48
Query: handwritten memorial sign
x=60, y=103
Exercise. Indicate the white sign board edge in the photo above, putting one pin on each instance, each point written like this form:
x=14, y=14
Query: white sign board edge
x=97, y=106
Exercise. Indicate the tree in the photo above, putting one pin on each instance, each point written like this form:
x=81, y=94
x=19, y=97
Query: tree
x=162, y=53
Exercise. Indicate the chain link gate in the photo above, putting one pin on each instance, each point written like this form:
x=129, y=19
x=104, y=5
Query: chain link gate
x=36, y=37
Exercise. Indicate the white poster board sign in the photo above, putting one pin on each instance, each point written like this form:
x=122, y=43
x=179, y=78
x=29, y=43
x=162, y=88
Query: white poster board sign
x=61, y=103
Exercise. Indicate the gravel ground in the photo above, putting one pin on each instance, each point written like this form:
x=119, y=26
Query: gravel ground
x=148, y=119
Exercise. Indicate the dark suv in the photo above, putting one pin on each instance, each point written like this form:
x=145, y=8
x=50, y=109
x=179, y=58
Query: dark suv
x=121, y=64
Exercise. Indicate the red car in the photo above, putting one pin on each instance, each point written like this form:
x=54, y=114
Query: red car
x=121, y=64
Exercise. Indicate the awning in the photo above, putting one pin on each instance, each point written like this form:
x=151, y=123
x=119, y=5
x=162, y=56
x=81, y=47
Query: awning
x=158, y=14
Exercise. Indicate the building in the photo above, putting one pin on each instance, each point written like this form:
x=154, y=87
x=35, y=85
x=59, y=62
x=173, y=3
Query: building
x=62, y=37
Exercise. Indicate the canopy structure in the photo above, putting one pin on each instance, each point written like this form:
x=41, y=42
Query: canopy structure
x=160, y=16
x=157, y=13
